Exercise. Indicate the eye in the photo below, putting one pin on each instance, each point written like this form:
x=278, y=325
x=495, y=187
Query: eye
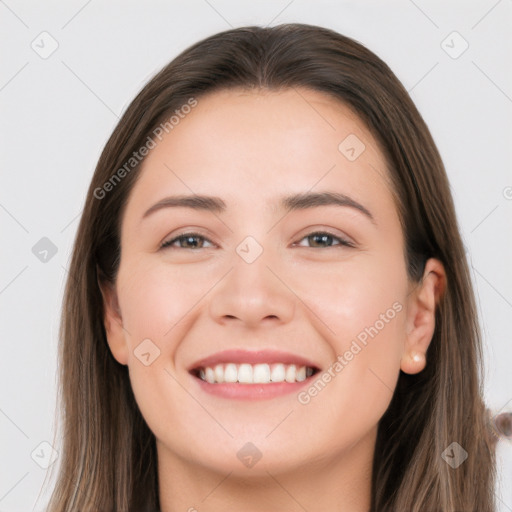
x=190, y=239
x=325, y=239
x=196, y=241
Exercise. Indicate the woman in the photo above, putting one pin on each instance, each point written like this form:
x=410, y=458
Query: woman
x=269, y=305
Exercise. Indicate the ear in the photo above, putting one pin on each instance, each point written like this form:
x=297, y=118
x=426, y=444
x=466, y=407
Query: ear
x=420, y=322
x=113, y=322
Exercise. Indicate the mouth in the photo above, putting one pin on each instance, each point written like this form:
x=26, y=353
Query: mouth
x=246, y=374
x=261, y=373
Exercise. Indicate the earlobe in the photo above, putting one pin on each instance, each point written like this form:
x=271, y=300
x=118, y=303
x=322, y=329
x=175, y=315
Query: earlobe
x=113, y=322
x=413, y=362
x=420, y=321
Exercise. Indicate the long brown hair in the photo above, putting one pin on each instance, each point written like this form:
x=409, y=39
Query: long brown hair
x=108, y=456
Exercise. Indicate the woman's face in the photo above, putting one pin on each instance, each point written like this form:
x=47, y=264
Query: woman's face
x=319, y=282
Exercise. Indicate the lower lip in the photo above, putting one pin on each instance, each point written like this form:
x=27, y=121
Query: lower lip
x=239, y=391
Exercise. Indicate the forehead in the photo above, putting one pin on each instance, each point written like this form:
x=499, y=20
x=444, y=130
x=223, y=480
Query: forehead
x=251, y=146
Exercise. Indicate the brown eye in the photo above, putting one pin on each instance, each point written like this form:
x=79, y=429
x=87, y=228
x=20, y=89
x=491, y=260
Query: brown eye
x=187, y=241
x=324, y=239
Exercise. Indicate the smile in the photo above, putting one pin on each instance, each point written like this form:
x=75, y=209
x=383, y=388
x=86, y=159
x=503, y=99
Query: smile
x=252, y=375
x=261, y=373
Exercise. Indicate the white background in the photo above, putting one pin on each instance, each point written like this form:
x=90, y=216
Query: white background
x=58, y=112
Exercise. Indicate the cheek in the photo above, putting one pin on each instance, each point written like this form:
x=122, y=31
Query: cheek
x=158, y=312
x=362, y=313
x=349, y=398
x=157, y=302
x=362, y=298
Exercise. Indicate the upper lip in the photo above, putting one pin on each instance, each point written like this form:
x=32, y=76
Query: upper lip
x=252, y=357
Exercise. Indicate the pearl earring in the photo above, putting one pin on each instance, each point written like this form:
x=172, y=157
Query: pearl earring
x=418, y=357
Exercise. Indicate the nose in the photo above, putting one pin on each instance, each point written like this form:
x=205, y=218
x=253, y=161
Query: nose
x=252, y=294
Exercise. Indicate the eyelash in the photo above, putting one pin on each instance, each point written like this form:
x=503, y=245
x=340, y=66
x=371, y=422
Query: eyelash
x=342, y=241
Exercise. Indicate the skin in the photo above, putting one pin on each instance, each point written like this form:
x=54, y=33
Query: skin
x=300, y=295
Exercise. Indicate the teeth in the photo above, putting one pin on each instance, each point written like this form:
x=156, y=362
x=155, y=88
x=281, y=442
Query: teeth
x=210, y=376
x=255, y=374
x=278, y=373
x=301, y=374
x=291, y=372
x=230, y=373
x=219, y=373
x=245, y=373
x=261, y=373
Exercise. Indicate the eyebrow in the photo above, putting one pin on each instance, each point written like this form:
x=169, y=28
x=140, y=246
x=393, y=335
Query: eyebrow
x=301, y=201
